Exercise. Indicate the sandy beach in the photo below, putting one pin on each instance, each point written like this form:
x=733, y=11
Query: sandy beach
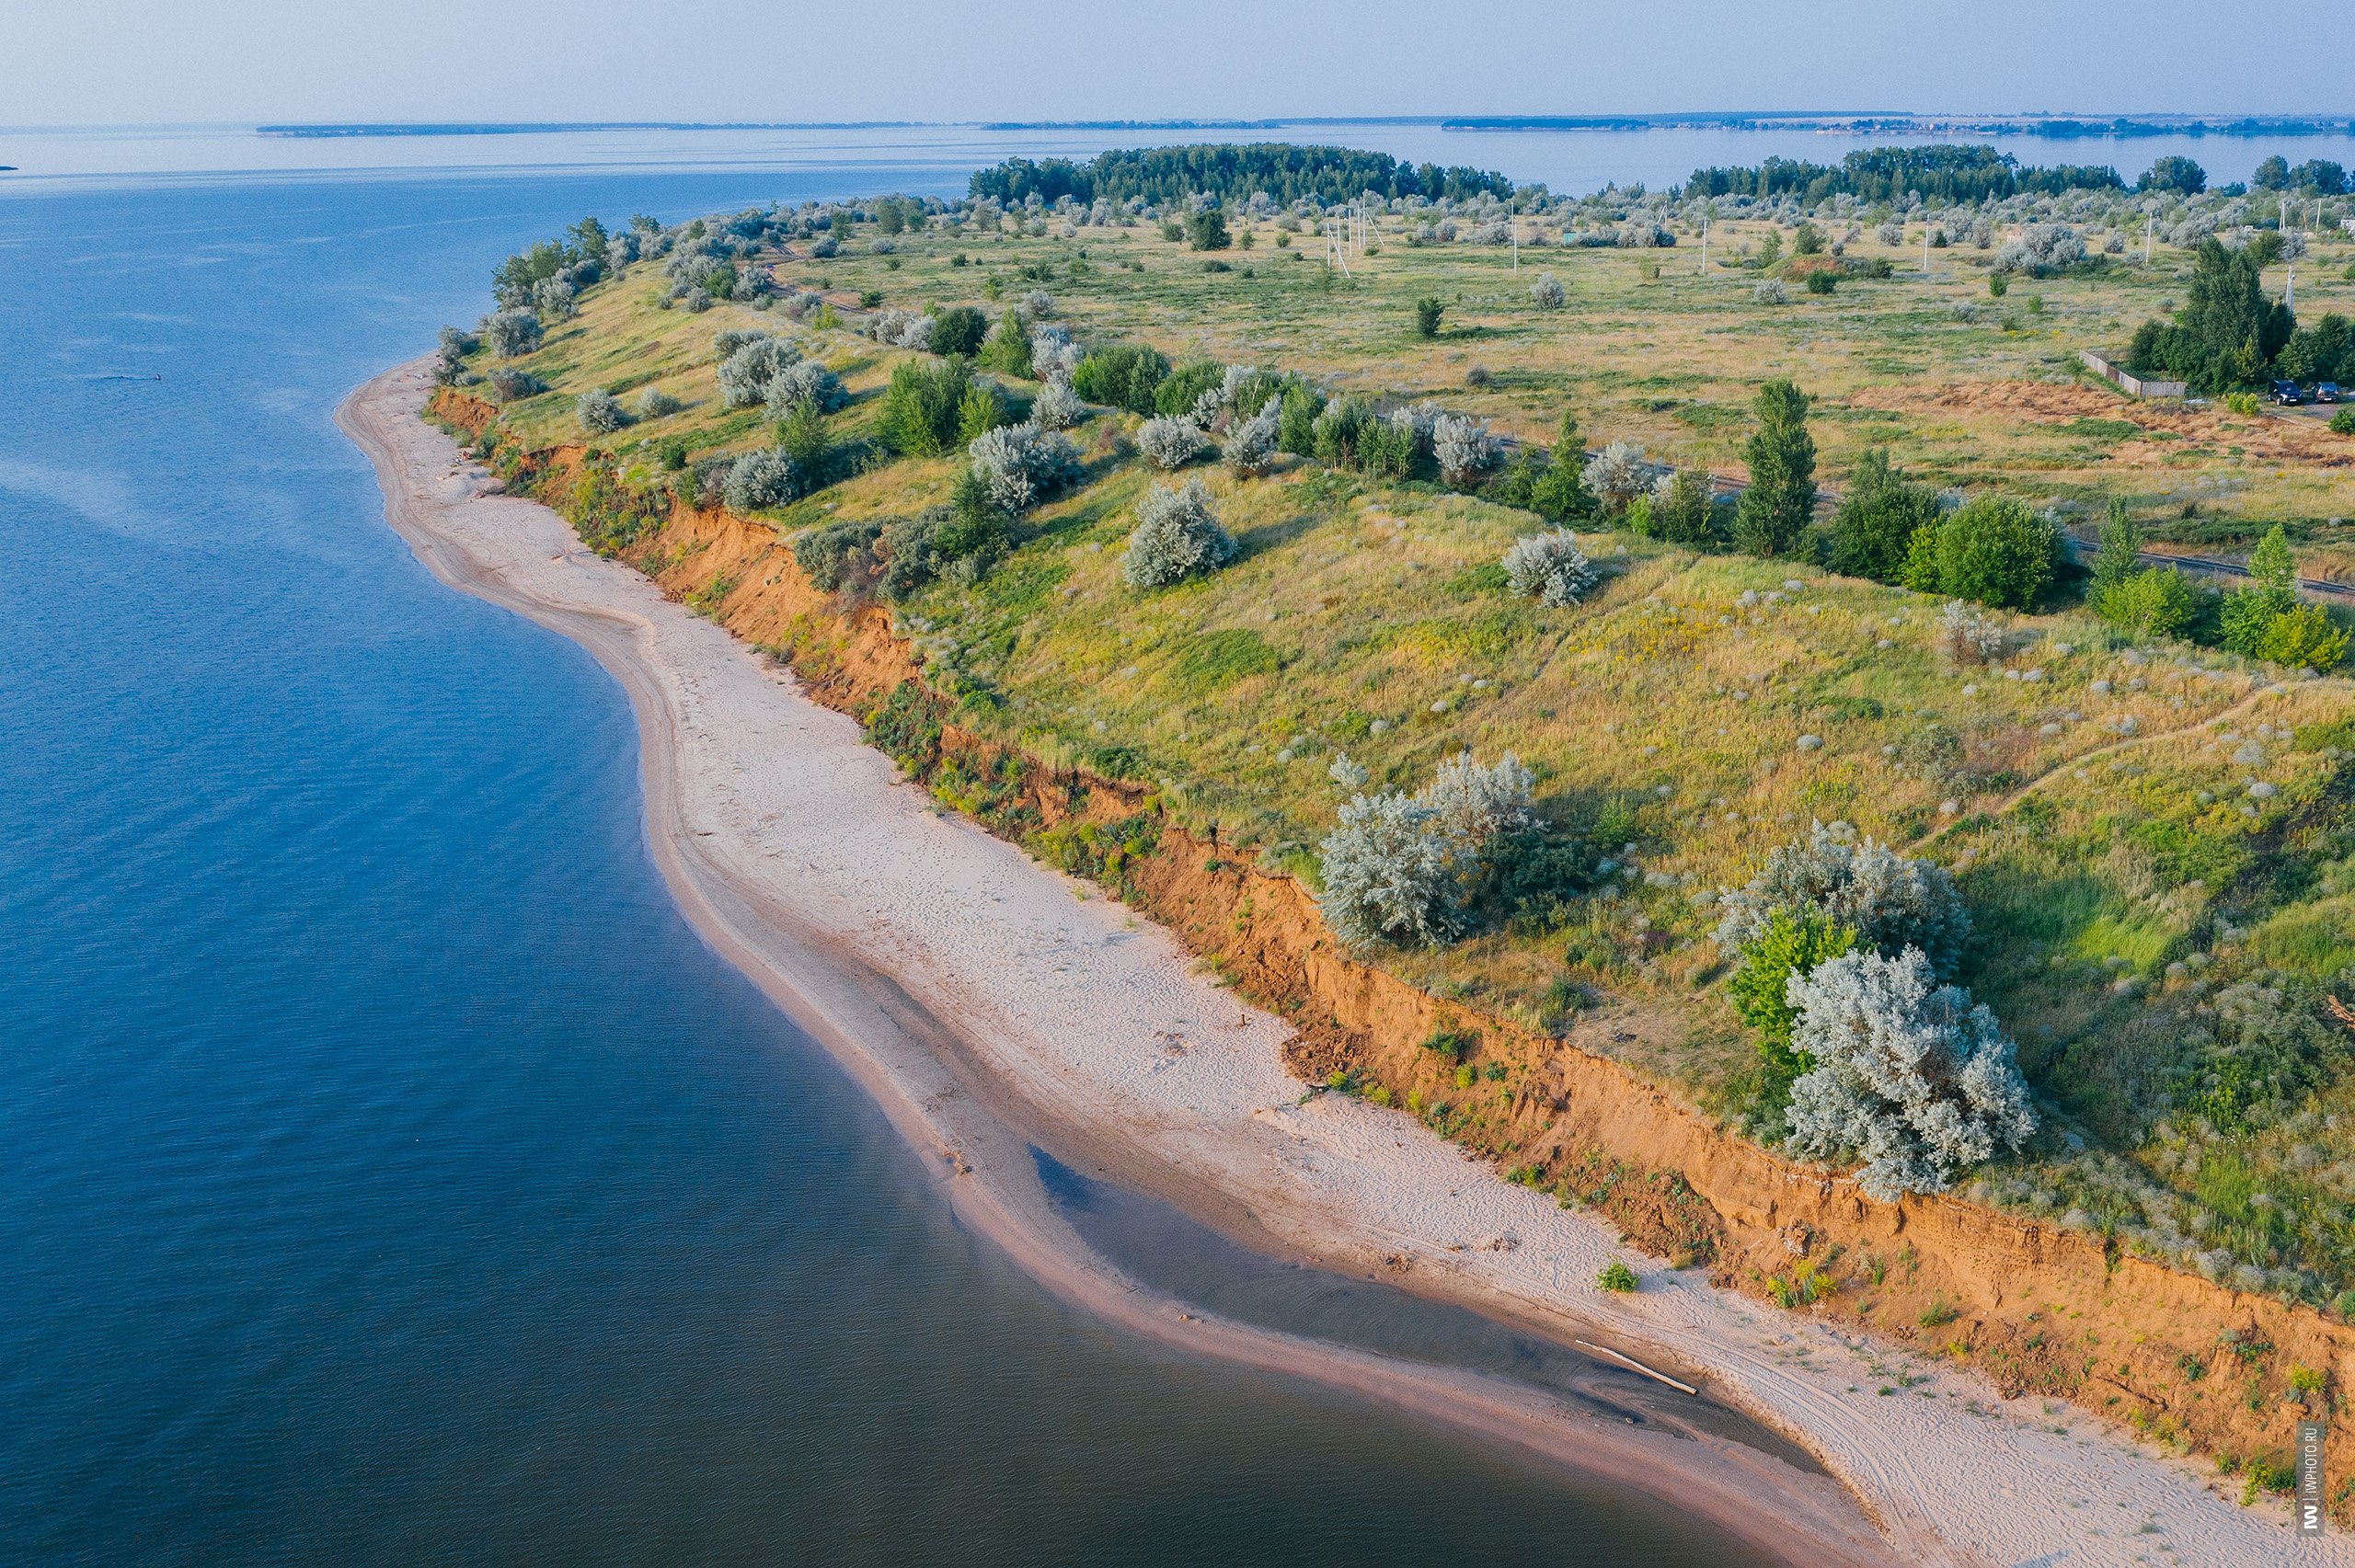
x=988, y=1002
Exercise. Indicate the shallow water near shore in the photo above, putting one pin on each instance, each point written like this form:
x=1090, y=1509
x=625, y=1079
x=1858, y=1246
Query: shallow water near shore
x=396, y=1177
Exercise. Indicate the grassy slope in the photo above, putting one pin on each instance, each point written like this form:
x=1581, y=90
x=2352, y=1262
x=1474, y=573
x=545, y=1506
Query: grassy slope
x=1356, y=603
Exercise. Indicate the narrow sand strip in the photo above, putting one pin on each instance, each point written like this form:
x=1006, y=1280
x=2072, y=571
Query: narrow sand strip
x=872, y=919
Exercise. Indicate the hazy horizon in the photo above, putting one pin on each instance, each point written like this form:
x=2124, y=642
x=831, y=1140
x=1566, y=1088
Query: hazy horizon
x=202, y=62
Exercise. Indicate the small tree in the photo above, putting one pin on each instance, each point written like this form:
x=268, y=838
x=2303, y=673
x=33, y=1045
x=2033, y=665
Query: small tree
x=1170, y=444
x=801, y=436
x=979, y=411
x=1909, y=1076
x=1008, y=350
x=1206, y=230
x=1057, y=406
x=1546, y=293
x=1251, y=446
x=1020, y=464
x=745, y=374
x=511, y=333
x=805, y=382
x=2154, y=602
x=922, y=405
x=2305, y=638
x=760, y=480
x=1617, y=474
x=1428, y=312
x=1463, y=448
x=958, y=331
x=598, y=412
x=1994, y=551
x=1683, y=510
x=2121, y=556
x=2271, y=591
x=1550, y=568
x=656, y=404
x=1789, y=944
x=1178, y=535
x=1388, y=874
x=1775, y=507
x=1890, y=903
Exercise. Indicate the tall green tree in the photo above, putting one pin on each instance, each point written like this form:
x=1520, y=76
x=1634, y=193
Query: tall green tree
x=2228, y=331
x=1876, y=518
x=1775, y=510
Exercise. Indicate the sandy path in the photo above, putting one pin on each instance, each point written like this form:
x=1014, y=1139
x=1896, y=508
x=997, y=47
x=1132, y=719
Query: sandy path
x=872, y=919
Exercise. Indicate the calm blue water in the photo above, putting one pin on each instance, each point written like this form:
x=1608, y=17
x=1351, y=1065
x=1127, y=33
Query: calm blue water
x=391, y=1175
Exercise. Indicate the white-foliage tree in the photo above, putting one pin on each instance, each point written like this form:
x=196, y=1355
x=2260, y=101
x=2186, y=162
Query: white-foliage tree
x=1909, y=1077
x=1250, y=447
x=1058, y=407
x=654, y=404
x=1036, y=306
x=728, y=339
x=805, y=381
x=1547, y=292
x=512, y=332
x=1396, y=867
x=1170, y=444
x=745, y=374
x=599, y=413
x=1021, y=464
x=1771, y=291
x=555, y=298
x=1420, y=422
x=1389, y=875
x=1465, y=448
x=1473, y=804
x=1055, y=353
x=1890, y=900
x=2041, y=248
x=1550, y=568
x=1177, y=534
x=1617, y=474
x=759, y=480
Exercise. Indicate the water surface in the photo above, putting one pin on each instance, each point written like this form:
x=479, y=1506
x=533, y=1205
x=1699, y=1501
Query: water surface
x=393, y=1176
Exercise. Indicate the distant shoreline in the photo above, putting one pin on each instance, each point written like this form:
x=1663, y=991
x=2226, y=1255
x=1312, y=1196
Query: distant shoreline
x=1851, y=122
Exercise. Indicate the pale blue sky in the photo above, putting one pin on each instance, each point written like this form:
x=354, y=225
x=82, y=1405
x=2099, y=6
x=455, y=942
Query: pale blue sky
x=106, y=62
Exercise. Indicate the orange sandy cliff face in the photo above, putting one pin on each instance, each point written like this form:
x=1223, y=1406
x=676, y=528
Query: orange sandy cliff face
x=2038, y=1309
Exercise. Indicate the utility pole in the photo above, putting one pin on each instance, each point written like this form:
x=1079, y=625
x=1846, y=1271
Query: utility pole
x=1925, y=242
x=2150, y=227
x=2289, y=287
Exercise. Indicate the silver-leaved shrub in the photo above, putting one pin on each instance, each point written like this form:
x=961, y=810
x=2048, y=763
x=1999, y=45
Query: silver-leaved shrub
x=1891, y=901
x=1550, y=568
x=1177, y=534
x=1909, y=1077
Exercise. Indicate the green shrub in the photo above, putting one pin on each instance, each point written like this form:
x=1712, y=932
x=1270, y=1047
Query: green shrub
x=958, y=331
x=1878, y=518
x=2343, y=422
x=1428, y=312
x=922, y=405
x=1616, y=1277
x=1994, y=551
x=1789, y=944
x=1822, y=283
x=1121, y=376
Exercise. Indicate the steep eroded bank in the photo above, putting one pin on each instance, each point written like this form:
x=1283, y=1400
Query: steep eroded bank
x=2037, y=1309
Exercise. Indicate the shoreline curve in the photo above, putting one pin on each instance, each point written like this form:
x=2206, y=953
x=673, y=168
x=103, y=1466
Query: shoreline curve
x=786, y=902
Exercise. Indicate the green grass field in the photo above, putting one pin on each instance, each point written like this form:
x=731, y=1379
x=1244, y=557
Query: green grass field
x=2158, y=936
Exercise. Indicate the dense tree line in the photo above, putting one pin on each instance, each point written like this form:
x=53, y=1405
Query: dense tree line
x=2229, y=332
x=1287, y=173
x=1937, y=172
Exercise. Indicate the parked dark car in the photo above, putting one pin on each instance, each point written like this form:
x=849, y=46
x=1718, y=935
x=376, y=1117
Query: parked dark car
x=2327, y=392
x=2286, y=392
